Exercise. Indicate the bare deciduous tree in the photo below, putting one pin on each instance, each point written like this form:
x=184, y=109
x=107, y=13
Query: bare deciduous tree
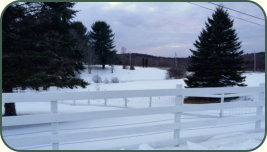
x=123, y=51
x=90, y=59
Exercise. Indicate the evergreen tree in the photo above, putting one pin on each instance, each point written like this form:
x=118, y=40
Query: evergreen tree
x=102, y=40
x=79, y=31
x=39, y=50
x=217, y=60
x=13, y=20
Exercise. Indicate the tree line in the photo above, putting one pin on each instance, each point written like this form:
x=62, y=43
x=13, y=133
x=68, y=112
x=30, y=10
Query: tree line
x=182, y=63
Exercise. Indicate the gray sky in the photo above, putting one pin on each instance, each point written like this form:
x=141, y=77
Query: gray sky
x=163, y=28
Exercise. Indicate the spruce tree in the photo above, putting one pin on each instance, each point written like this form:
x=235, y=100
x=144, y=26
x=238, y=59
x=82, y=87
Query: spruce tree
x=102, y=40
x=217, y=60
x=79, y=32
x=39, y=49
x=12, y=22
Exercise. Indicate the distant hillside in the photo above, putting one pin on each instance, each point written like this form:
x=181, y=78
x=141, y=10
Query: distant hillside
x=144, y=55
x=153, y=61
x=167, y=62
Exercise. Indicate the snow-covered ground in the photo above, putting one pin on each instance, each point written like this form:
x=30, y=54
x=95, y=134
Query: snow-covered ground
x=138, y=79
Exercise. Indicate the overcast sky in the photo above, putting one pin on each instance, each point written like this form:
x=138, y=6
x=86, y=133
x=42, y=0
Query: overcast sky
x=166, y=28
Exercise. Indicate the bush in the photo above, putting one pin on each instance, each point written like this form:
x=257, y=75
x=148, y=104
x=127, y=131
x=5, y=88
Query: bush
x=106, y=81
x=203, y=100
x=115, y=80
x=132, y=68
x=177, y=73
x=97, y=79
x=167, y=76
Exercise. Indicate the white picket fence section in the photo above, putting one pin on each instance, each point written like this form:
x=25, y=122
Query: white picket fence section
x=54, y=118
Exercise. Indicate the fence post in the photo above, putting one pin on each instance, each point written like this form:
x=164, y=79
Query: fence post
x=54, y=126
x=259, y=111
x=125, y=103
x=150, y=102
x=222, y=101
x=179, y=100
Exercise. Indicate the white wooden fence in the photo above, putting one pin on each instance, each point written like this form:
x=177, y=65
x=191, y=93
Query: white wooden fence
x=54, y=118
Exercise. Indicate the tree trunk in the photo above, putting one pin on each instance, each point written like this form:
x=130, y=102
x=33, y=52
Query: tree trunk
x=89, y=69
x=10, y=109
x=103, y=66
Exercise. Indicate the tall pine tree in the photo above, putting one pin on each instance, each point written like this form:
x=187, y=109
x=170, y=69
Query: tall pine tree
x=102, y=39
x=39, y=49
x=79, y=32
x=217, y=60
x=12, y=42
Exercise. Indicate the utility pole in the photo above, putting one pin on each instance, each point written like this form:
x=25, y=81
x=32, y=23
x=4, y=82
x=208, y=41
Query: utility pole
x=134, y=60
x=124, y=60
x=130, y=58
x=175, y=60
x=255, y=62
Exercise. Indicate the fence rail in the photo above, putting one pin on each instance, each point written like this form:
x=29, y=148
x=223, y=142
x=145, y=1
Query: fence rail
x=85, y=95
x=54, y=118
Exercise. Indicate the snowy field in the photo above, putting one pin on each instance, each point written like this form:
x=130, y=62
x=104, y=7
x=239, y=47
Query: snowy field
x=139, y=79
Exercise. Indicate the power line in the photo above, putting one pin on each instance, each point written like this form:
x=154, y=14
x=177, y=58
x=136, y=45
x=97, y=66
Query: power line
x=247, y=20
x=238, y=11
x=229, y=15
x=201, y=6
